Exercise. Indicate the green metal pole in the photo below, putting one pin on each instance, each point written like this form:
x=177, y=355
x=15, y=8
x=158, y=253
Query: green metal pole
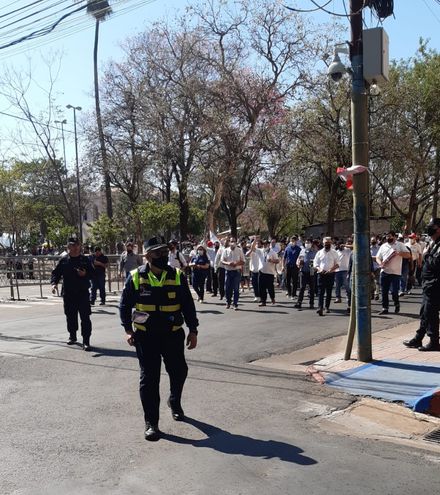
x=359, y=126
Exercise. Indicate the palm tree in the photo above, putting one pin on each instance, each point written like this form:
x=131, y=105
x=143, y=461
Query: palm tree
x=100, y=10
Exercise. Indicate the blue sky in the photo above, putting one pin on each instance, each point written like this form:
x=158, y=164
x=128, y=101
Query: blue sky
x=413, y=19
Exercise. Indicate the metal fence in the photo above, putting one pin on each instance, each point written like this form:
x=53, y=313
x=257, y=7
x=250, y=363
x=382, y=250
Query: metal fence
x=18, y=272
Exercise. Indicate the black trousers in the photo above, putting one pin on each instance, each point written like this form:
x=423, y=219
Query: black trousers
x=429, y=315
x=151, y=347
x=221, y=281
x=291, y=280
x=266, y=285
x=254, y=280
x=98, y=283
x=75, y=304
x=306, y=280
x=214, y=278
x=325, y=287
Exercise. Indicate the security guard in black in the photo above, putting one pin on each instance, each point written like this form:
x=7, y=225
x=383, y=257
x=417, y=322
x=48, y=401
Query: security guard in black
x=76, y=271
x=162, y=302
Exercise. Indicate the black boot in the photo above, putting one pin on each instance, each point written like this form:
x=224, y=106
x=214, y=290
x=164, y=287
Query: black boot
x=176, y=411
x=152, y=432
x=86, y=344
x=432, y=345
x=72, y=338
x=415, y=342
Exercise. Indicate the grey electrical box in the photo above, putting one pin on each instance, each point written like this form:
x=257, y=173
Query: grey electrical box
x=376, y=55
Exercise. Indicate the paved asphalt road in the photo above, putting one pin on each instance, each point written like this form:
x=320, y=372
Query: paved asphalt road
x=72, y=422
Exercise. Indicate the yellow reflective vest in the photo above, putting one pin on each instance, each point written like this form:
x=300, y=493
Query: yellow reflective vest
x=157, y=299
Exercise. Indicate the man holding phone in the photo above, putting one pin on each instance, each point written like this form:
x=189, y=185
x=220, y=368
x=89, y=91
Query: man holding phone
x=76, y=271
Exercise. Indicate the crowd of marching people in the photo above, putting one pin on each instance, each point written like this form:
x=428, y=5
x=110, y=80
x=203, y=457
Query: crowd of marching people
x=311, y=272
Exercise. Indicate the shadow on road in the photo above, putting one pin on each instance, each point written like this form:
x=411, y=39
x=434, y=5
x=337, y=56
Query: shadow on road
x=229, y=443
x=104, y=351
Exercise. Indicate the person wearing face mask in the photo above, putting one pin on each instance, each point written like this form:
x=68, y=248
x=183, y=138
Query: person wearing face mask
x=375, y=289
x=306, y=273
x=200, y=267
x=163, y=302
x=219, y=268
x=325, y=263
x=389, y=257
x=232, y=259
x=414, y=262
x=266, y=278
x=429, y=311
x=291, y=270
x=129, y=260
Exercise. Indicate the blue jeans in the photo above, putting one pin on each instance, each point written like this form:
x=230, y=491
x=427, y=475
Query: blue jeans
x=233, y=278
x=341, y=281
x=404, y=277
x=387, y=282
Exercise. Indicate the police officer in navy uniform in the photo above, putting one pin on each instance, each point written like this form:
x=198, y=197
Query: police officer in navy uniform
x=76, y=271
x=429, y=311
x=162, y=302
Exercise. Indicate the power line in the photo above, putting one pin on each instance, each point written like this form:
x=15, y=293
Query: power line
x=18, y=117
x=70, y=27
x=47, y=24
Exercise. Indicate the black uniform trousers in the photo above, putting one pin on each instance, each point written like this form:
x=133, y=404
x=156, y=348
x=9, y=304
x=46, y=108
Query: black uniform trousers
x=151, y=346
x=74, y=304
x=429, y=315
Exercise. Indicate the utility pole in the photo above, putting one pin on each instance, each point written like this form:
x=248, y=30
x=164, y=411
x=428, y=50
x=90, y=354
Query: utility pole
x=78, y=190
x=359, y=127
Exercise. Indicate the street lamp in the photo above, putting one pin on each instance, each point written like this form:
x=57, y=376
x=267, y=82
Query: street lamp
x=78, y=192
x=63, y=122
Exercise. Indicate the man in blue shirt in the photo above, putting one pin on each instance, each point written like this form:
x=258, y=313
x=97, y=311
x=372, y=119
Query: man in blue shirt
x=290, y=267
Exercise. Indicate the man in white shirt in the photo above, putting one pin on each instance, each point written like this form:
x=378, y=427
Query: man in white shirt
x=175, y=257
x=389, y=257
x=266, y=278
x=325, y=263
x=415, y=262
x=232, y=259
x=255, y=265
x=344, y=255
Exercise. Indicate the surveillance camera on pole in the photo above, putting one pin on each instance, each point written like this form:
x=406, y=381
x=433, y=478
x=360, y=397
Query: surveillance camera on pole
x=337, y=69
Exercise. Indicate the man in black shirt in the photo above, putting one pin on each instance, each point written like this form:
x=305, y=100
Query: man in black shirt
x=76, y=271
x=99, y=263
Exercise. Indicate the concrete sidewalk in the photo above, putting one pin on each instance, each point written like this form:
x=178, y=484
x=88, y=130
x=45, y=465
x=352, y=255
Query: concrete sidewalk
x=326, y=359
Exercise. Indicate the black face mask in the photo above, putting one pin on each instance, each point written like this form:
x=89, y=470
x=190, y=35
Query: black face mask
x=327, y=247
x=431, y=230
x=160, y=263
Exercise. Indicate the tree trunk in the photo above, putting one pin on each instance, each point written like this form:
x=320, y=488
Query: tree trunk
x=184, y=209
x=436, y=184
x=233, y=220
x=215, y=204
x=108, y=191
x=331, y=208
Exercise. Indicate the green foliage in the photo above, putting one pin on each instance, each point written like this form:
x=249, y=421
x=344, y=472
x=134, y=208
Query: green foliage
x=157, y=218
x=58, y=231
x=196, y=221
x=105, y=233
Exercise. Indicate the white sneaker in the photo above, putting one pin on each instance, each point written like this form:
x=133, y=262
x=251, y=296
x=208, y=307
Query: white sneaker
x=256, y=299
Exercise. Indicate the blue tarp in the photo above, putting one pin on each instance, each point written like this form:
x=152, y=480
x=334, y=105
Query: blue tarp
x=395, y=381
